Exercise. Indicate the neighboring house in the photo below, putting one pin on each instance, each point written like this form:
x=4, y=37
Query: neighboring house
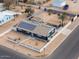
x=59, y=3
x=6, y=16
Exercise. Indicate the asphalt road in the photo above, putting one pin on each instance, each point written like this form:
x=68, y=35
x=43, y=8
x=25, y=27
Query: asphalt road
x=6, y=53
x=69, y=49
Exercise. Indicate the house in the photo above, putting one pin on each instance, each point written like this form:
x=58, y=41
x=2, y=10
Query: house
x=37, y=30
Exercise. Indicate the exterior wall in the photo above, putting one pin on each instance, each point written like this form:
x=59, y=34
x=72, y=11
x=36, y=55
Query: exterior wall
x=32, y=34
x=51, y=32
x=41, y=37
x=24, y=32
x=6, y=19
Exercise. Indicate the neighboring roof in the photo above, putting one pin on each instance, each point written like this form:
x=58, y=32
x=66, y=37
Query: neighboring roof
x=39, y=28
x=59, y=3
x=8, y=12
x=6, y=16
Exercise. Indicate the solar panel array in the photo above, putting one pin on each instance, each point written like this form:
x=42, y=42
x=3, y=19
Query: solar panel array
x=27, y=26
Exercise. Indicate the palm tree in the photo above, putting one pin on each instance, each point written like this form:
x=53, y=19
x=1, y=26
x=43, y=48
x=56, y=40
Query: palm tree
x=62, y=17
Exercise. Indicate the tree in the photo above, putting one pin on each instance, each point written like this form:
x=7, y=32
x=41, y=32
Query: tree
x=62, y=17
x=29, y=11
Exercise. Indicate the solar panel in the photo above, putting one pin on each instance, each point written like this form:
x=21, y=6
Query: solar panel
x=27, y=26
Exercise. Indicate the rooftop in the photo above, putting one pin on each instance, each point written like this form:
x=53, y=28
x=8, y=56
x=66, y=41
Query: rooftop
x=39, y=28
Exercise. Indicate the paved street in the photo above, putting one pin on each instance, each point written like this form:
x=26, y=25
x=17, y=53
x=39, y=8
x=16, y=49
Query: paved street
x=69, y=48
x=6, y=53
